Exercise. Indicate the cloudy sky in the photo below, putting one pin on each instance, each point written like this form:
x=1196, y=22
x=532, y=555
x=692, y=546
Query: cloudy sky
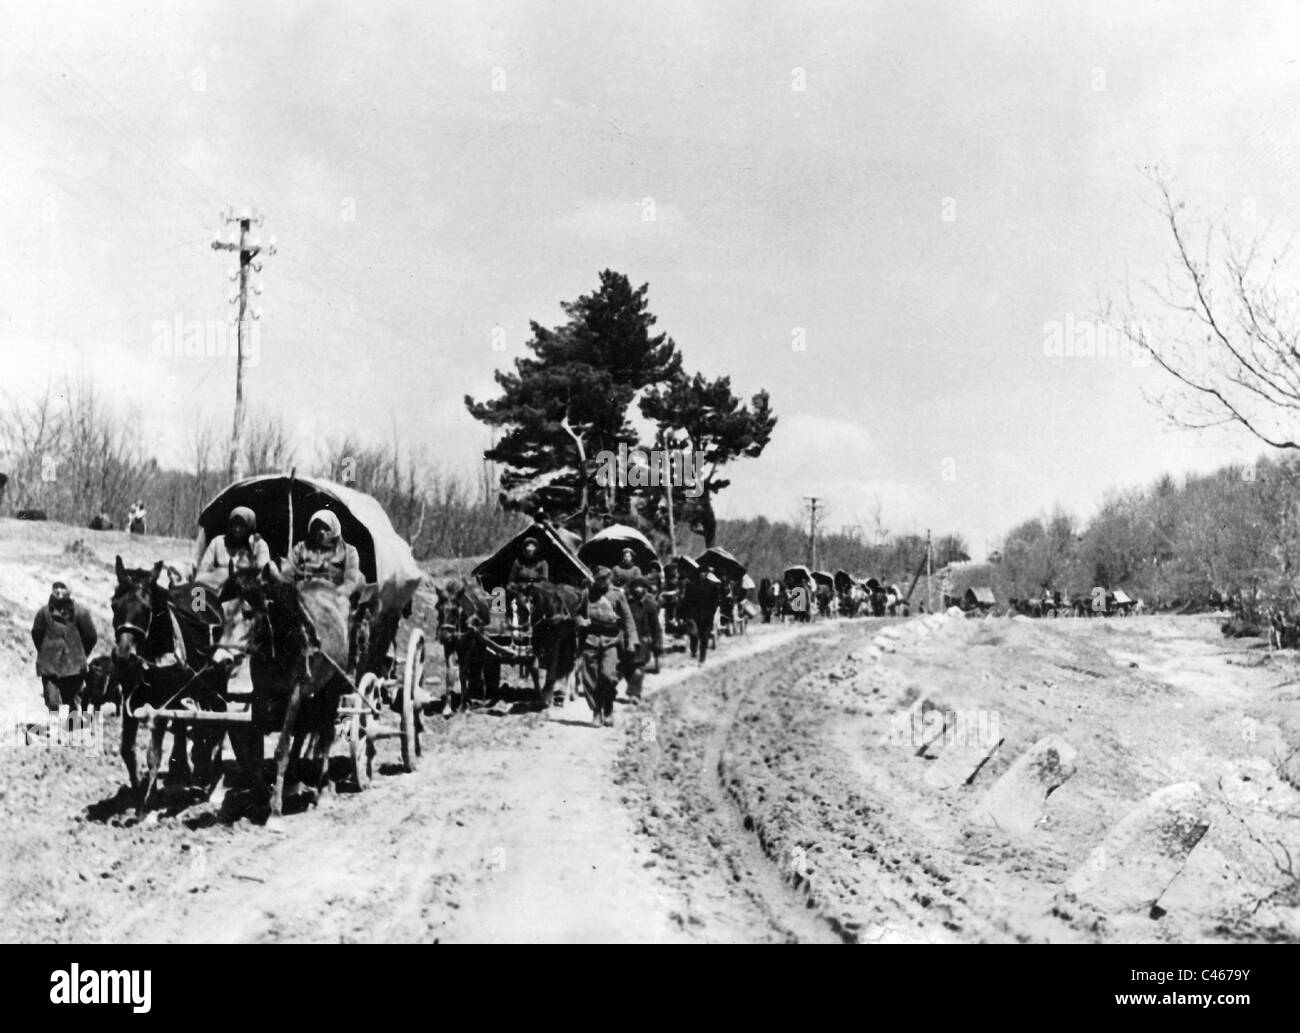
x=870, y=209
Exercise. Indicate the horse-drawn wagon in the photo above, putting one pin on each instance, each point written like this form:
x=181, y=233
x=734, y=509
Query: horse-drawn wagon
x=800, y=592
x=732, y=616
x=824, y=592
x=485, y=626
x=314, y=666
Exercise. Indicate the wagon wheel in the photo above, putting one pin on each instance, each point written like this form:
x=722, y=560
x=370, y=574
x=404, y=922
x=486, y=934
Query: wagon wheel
x=360, y=744
x=414, y=678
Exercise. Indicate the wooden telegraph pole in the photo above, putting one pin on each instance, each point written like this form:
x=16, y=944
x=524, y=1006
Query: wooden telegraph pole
x=248, y=252
x=812, y=525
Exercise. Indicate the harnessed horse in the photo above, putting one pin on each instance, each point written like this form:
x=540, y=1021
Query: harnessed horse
x=157, y=664
x=296, y=638
x=464, y=610
x=553, y=612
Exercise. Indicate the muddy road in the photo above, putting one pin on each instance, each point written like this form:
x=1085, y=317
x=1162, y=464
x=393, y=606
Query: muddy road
x=763, y=798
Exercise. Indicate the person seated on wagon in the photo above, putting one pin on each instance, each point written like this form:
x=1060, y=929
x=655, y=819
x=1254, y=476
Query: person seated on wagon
x=241, y=546
x=627, y=570
x=325, y=556
x=529, y=567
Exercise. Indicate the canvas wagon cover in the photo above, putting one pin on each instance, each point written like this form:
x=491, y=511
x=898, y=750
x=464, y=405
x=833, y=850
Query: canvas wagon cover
x=564, y=567
x=605, y=548
x=283, y=506
x=723, y=560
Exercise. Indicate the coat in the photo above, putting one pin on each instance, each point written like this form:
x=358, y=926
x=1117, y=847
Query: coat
x=339, y=564
x=214, y=567
x=649, y=629
x=529, y=573
x=623, y=576
x=610, y=617
x=63, y=640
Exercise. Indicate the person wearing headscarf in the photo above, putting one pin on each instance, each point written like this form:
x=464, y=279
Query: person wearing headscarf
x=529, y=567
x=325, y=556
x=605, y=623
x=241, y=546
x=64, y=636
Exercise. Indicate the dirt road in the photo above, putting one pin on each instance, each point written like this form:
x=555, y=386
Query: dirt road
x=760, y=799
x=515, y=828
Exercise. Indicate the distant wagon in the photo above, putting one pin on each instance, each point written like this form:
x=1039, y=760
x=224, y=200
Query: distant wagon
x=605, y=548
x=508, y=636
x=978, y=600
x=732, y=616
x=1120, y=602
x=799, y=601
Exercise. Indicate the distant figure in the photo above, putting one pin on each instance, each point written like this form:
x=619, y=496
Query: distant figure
x=101, y=521
x=135, y=519
x=64, y=636
x=606, y=625
x=650, y=637
x=529, y=567
x=627, y=571
x=701, y=596
x=654, y=577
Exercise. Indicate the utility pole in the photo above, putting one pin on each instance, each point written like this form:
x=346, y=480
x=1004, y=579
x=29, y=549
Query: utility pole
x=812, y=525
x=665, y=458
x=489, y=470
x=248, y=251
x=929, y=587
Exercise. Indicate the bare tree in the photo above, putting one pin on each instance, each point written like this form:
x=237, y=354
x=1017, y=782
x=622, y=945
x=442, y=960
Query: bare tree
x=1223, y=325
x=267, y=445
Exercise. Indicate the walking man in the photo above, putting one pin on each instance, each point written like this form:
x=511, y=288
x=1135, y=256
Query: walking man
x=650, y=635
x=64, y=636
x=605, y=623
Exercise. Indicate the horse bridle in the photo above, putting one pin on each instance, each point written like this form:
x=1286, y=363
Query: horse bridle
x=119, y=627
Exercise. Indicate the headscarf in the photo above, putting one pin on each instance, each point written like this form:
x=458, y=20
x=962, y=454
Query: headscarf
x=246, y=515
x=331, y=521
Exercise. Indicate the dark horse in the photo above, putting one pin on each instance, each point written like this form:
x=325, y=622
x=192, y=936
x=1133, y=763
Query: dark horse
x=553, y=612
x=769, y=598
x=701, y=597
x=464, y=610
x=162, y=659
x=296, y=638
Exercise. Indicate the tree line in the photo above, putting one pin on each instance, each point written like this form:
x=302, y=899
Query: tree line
x=71, y=456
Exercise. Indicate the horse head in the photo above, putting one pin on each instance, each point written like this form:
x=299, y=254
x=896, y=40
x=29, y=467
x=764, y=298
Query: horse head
x=137, y=601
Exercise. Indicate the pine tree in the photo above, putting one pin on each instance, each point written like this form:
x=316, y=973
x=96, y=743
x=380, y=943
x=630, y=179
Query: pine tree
x=583, y=376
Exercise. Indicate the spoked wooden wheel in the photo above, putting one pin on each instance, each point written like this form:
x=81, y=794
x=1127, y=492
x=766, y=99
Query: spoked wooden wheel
x=413, y=679
x=361, y=745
